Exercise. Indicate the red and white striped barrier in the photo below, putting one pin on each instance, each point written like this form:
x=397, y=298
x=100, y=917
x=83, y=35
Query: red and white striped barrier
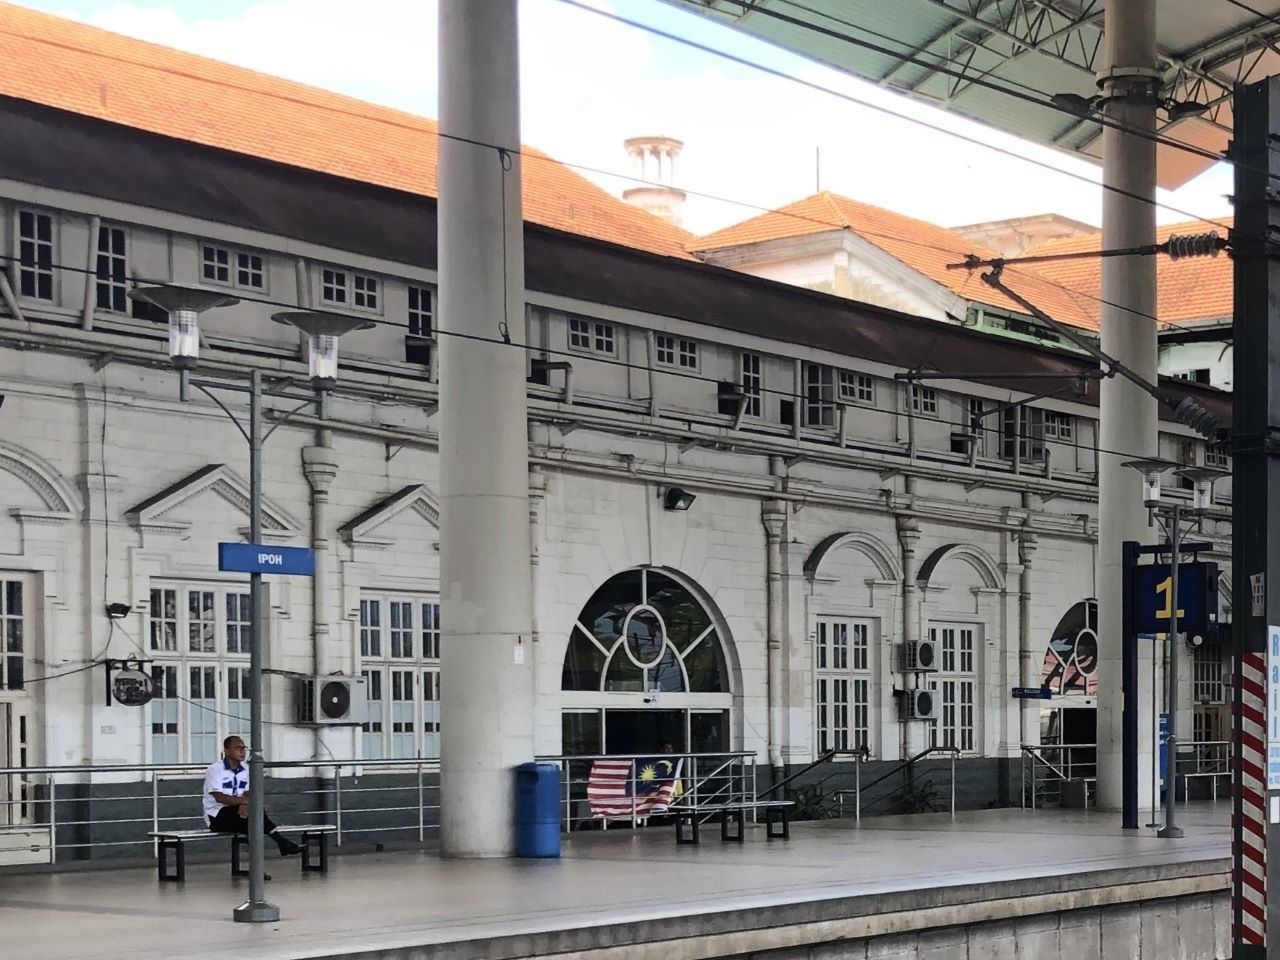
x=1251, y=884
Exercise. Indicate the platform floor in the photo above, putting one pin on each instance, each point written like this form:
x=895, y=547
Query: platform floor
x=392, y=900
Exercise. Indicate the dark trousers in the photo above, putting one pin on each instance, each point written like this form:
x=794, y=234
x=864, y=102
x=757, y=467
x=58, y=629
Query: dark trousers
x=229, y=820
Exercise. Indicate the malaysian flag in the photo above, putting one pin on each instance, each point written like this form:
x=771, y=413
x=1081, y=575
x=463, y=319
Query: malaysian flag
x=625, y=788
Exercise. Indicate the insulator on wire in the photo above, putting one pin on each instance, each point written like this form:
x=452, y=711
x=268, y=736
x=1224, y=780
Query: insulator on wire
x=1193, y=245
x=1190, y=413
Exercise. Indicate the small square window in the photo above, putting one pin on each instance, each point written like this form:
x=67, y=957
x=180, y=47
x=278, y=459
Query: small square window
x=666, y=350
x=856, y=387
x=579, y=334
x=112, y=270
x=35, y=255
x=688, y=351
x=365, y=291
x=216, y=263
x=604, y=338
x=1058, y=426
x=924, y=399
x=249, y=271
x=333, y=286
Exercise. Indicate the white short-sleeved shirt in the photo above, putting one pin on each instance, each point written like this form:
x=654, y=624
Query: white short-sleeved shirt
x=218, y=776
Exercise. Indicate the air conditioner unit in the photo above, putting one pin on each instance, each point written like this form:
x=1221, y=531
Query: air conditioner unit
x=920, y=656
x=330, y=701
x=920, y=704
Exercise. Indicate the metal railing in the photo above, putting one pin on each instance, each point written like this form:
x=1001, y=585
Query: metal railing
x=859, y=787
x=46, y=811
x=1203, y=759
x=702, y=779
x=1046, y=767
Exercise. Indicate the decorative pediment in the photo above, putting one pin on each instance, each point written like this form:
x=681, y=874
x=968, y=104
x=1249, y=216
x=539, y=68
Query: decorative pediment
x=415, y=499
x=161, y=513
x=59, y=500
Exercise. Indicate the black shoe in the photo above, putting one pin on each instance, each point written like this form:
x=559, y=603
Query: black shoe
x=287, y=847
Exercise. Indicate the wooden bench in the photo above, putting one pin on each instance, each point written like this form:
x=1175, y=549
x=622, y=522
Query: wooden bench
x=314, y=836
x=733, y=814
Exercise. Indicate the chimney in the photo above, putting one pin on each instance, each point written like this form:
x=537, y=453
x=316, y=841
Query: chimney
x=653, y=159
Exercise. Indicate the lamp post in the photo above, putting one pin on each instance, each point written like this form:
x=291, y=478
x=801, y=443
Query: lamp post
x=184, y=306
x=1170, y=518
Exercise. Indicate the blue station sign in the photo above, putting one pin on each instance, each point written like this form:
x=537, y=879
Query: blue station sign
x=1153, y=598
x=1032, y=693
x=260, y=558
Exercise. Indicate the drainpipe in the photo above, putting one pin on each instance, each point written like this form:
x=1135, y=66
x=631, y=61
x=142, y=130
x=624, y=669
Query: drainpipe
x=320, y=467
x=91, y=275
x=913, y=732
x=773, y=514
x=1027, y=542
x=650, y=357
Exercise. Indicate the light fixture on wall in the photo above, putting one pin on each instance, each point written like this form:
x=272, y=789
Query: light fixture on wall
x=118, y=611
x=678, y=499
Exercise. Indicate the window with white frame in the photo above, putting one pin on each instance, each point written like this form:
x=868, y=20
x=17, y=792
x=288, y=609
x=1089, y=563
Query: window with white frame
x=676, y=352
x=249, y=272
x=591, y=336
x=215, y=263
x=1216, y=456
x=972, y=429
x=1059, y=426
x=421, y=311
x=924, y=400
x=819, y=395
x=856, y=387
x=752, y=383
x=400, y=663
x=364, y=291
x=842, y=684
x=334, y=285
x=1208, y=674
x=956, y=684
x=1022, y=432
x=35, y=255
x=199, y=640
x=13, y=632
x=112, y=270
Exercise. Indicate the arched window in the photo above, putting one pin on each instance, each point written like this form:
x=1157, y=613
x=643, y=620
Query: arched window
x=644, y=631
x=1071, y=660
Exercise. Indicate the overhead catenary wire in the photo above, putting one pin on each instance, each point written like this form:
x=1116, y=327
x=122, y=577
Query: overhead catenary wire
x=530, y=347
x=880, y=108
x=799, y=394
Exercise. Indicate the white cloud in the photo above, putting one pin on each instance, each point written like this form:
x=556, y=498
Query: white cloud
x=589, y=83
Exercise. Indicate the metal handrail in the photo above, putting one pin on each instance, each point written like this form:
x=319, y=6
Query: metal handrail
x=39, y=818
x=859, y=786
x=823, y=758
x=1067, y=770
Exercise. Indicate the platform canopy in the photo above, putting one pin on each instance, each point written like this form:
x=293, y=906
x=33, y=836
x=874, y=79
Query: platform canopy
x=954, y=53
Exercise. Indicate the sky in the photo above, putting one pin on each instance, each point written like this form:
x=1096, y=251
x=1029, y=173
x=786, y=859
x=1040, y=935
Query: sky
x=752, y=141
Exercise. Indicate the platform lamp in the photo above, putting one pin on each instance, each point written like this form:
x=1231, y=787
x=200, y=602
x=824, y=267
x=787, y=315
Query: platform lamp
x=183, y=306
x=1171, y=517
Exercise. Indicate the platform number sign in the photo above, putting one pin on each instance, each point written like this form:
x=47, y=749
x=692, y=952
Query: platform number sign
x=1153, y=600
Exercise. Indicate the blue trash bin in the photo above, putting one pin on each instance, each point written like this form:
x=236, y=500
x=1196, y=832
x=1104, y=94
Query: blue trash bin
x=538, y=810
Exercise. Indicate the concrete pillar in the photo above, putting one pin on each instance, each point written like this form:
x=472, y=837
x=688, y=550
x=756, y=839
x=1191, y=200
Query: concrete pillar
x=320, y=467
x=774, y=516
x=1128, y=415
x=485, y=594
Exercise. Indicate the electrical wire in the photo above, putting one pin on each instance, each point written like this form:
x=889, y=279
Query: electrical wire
x=973, y=140
x=798, y=397
x=1034, y=97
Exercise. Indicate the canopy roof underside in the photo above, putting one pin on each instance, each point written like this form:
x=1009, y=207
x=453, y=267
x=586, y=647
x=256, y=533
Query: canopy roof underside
x=951, y=53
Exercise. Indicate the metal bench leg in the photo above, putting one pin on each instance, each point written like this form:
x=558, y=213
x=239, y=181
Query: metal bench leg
x=178, y=873
x=317, y=843
x=689, y=820
x=776, y=817
x=735, y=817
x=238, y=843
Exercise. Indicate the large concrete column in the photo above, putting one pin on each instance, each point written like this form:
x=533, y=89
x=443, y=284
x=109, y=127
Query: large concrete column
x=915, y=733
x=1128, y=414
x=485, y=595
x=774, y=516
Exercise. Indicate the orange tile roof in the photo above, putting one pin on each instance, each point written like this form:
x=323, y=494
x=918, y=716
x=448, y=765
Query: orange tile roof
x=924, y=247
x=1197, y=289
x=86, y=70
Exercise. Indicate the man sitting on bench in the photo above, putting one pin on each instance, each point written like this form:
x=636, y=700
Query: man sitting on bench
x=226, y=797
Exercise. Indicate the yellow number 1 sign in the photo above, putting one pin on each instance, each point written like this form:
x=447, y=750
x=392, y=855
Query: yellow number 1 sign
x=1165, y=589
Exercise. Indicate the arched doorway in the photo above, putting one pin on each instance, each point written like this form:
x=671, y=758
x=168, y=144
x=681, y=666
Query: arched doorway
x=1070, y=671
x=646, y=668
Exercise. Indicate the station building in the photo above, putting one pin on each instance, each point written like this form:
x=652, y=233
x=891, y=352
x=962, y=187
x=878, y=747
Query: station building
x=724, y=472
